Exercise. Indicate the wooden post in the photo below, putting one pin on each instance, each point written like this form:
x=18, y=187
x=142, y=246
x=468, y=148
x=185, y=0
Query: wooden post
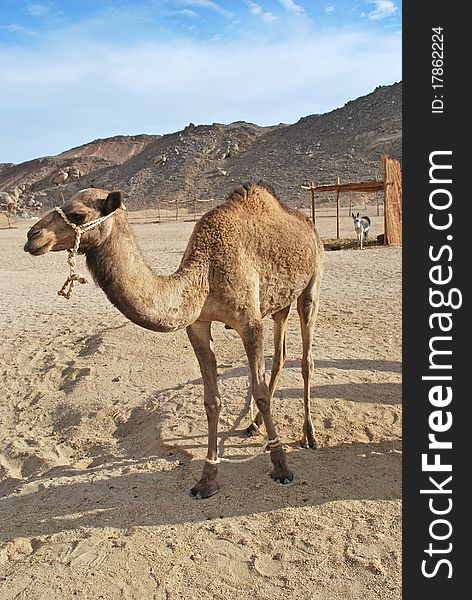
x=159, y=210
x=378, y=212
x=177, y=208
x=392, y=201
x=337, y=214
x=350, y=204
x=195, y=208
x=338, y=192
x=313, y=210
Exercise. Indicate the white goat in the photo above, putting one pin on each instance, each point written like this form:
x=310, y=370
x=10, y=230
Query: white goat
x=362, y=226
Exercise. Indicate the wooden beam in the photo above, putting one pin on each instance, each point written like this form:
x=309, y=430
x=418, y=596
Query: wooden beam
x=363, y=186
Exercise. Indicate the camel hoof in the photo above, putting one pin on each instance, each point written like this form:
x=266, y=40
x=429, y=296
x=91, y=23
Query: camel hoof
x=307, y=445
x=251, y=431
x=280, y=472
x=204, y=490
x=284, y=477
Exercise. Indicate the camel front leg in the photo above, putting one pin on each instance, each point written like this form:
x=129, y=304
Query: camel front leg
x=307, y=307
x=200, y=337
x=253, y=340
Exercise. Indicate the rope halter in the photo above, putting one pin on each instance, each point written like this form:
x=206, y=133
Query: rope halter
x=266, y=445
x=74, y=277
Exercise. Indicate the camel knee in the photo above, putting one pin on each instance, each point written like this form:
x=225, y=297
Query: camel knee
x=263, y=405
x=212, y=406
x=277, y=363
x=306, y=309
x=307, y=367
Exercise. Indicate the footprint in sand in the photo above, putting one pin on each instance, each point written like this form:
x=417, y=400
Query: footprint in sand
x=71, y=376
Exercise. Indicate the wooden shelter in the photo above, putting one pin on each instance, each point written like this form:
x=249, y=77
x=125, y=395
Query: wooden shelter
x=392, y=187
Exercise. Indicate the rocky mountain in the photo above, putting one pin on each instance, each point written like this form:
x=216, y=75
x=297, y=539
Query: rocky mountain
x=209, y=160
x=347, y=143
x=87, y=158
x=188, y=164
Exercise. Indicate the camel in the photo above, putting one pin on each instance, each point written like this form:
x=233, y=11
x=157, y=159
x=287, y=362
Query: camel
x=250, y=257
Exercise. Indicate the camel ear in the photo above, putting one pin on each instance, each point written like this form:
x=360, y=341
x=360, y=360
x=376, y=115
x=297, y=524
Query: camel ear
x=112, y=202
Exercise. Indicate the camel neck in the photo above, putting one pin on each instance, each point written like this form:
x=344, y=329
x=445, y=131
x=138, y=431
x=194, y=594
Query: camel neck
x=157, y=302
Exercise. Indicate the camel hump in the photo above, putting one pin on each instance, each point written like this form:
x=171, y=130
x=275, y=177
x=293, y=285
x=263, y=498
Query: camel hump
x=254, y=206
x=261, y=198
x=255, y=195
x=254, y=218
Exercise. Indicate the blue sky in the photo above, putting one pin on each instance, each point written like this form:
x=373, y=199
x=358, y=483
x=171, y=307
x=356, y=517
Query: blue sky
x=73, y=71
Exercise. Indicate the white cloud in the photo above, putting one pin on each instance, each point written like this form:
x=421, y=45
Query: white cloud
x=291, y=6
x=186, y=12
x=329, y=9
x=210, y=5
x=62, y=94
x=383, y=9
x=14, y=28
x=256, y=9
x=37, y=10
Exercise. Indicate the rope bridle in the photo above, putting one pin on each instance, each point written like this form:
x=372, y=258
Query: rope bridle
x=74, y=277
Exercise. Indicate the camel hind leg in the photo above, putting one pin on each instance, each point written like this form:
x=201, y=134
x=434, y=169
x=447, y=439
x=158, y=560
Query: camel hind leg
x=307, y=306
x=253, y=340
x=278, y=360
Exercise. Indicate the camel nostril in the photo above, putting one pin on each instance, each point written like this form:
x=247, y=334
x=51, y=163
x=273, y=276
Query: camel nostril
x=33, y=234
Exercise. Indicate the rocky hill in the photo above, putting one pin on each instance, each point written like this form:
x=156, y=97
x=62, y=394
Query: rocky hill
x=346, y=143
x=209, y=160
x=188, y=164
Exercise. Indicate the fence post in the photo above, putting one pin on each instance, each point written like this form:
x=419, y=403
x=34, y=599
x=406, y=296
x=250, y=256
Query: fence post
x=313, y=210
x=337, y=214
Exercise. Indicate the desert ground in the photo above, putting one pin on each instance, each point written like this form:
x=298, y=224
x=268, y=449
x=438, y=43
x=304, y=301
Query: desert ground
x=103, y=433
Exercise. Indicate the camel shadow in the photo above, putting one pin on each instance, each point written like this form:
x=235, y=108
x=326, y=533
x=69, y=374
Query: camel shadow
x=92, y=343
x=131, y=497
x=387, y=366
x=137, y=436
x=378, y=393
x=362, y=364
x=370, y=391
x=345, y=364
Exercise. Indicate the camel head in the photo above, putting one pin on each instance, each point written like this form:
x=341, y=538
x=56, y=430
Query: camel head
x=53, y=233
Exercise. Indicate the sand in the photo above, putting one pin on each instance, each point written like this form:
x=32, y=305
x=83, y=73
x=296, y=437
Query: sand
x=103, y=433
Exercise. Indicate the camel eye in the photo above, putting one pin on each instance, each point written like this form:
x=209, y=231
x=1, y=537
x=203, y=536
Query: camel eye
x=77, y=218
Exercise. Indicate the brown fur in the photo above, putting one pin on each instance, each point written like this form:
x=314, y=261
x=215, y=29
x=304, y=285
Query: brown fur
x=250, y=257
